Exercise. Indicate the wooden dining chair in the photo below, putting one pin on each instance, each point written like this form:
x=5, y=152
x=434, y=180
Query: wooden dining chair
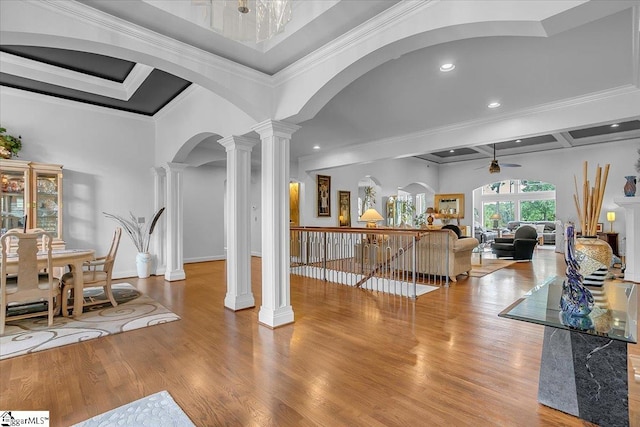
x=26, y=283
x=95, y=273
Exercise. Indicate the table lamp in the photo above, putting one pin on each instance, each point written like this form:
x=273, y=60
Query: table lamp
x=430, y=217
x=372, y=217
x=495, y=217
x=611, y=217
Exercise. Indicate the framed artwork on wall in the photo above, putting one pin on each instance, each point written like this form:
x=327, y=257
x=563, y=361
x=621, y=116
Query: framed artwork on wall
x=323, y=189
x=344, y=209
x=599, y=227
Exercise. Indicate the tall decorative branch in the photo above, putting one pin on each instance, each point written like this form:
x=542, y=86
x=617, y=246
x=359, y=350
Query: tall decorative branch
x=589, y=208
x=140, y=235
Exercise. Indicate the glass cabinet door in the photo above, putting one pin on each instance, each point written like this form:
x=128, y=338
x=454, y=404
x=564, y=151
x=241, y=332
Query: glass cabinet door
x=47, y=202
x=12, y=200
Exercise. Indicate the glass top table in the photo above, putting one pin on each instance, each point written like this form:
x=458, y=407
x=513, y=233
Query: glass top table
x=615, y=317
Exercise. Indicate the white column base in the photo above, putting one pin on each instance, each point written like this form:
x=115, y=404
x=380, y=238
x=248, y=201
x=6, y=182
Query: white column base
x=174, y=275
x=239, y=302
x=274, y=318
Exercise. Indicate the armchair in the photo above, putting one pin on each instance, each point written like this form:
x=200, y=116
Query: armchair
x=520, y=247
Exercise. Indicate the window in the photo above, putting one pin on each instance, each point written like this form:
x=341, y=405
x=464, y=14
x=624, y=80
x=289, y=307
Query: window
x=538, y=210
x=515, y=200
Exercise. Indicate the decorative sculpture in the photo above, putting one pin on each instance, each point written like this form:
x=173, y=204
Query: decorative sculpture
x=576, y=299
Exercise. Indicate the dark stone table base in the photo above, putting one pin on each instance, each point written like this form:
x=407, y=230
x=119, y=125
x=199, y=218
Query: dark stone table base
x=585, y=376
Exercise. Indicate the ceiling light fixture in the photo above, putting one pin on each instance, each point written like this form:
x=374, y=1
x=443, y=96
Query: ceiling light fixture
x=518, y=140
x=494, y=104
x=445, y=68
x=316, y=147
x=615, y=125
x=452, y=151
x=246, y=20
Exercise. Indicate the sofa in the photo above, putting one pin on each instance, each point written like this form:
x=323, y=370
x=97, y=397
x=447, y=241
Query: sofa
x=484, y=235
x=548, y=231
x=434, y=248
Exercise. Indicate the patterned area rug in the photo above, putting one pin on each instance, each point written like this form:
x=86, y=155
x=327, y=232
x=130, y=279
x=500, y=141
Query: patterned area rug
x=156, y=410
x=134, y=311
x=489, y=266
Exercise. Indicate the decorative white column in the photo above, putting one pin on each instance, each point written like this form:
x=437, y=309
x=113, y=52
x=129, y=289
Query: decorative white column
x=158, y=238
x=175, y=268
x=631, y=207
x=238, y=211
x=276, y=307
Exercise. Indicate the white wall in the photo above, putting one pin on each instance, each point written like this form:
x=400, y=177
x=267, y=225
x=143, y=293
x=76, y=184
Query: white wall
x=203, y=213
x=107, y=157
x=391, y=174
x=556, y=167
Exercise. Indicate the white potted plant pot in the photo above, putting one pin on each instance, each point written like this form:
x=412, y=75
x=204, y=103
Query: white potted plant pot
x=143, y=264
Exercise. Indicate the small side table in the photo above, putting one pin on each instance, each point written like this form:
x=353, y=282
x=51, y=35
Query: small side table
x=611, y=239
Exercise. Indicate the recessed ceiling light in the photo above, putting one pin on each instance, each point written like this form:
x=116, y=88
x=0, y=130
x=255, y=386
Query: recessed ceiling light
x=615, y=125
x=316, y=147
x=494, y=104
x=518, y=140
x=445, y=68
x=452, y=151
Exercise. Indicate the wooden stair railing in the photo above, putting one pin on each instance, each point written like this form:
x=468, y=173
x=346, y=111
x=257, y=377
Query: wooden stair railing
x=387, y=261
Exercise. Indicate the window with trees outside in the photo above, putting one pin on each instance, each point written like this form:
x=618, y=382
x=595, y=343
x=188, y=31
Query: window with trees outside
x=517, y=200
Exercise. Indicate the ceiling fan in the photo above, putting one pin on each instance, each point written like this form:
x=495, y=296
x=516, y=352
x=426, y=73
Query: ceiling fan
x=494, y=167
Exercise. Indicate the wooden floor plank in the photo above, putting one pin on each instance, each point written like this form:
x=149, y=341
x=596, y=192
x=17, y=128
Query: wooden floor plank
x=352, y=357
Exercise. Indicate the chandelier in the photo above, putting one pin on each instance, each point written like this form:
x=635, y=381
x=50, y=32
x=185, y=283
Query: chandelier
x=246, y=20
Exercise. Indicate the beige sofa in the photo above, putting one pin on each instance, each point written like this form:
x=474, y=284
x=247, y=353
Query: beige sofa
x=433, y=249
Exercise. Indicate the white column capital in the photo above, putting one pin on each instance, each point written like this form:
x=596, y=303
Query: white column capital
x=270, y=128
x=158, y=171
x=234, y=142
x=175, y=167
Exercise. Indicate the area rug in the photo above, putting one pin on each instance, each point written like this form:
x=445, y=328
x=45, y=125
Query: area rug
x=489, y=266
x=134, y=311
x=379, y=284
x=156, y=410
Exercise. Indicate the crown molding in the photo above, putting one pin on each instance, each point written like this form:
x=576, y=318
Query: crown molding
x=175, y=102
x=357, y=35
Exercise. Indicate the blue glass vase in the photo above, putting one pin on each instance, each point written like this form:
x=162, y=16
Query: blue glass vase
x=630, y=186
x=576, y=299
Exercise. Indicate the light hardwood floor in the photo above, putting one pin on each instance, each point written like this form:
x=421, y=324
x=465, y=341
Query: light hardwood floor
x=352, y=358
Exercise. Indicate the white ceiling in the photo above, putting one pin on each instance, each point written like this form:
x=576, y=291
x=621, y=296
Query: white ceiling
x=410, y=94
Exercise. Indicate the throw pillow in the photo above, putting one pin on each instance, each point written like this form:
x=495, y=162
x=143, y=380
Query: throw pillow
x=453, y=228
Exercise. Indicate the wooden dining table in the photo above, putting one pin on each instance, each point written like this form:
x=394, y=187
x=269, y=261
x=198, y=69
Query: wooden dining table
x=62, y=258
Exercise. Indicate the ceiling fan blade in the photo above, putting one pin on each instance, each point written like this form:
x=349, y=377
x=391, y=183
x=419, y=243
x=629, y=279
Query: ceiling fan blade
x=510, y=165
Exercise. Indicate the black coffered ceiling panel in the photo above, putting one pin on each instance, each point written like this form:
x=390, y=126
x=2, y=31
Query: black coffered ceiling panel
x=525, y=142
x=95, y=65
x=154, y=93
x=454, y=153
x=605, y=130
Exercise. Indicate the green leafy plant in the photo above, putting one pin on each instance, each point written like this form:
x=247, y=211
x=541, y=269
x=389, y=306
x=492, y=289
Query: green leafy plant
x=369, y=197
x=139, y=233
x=9, y=145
